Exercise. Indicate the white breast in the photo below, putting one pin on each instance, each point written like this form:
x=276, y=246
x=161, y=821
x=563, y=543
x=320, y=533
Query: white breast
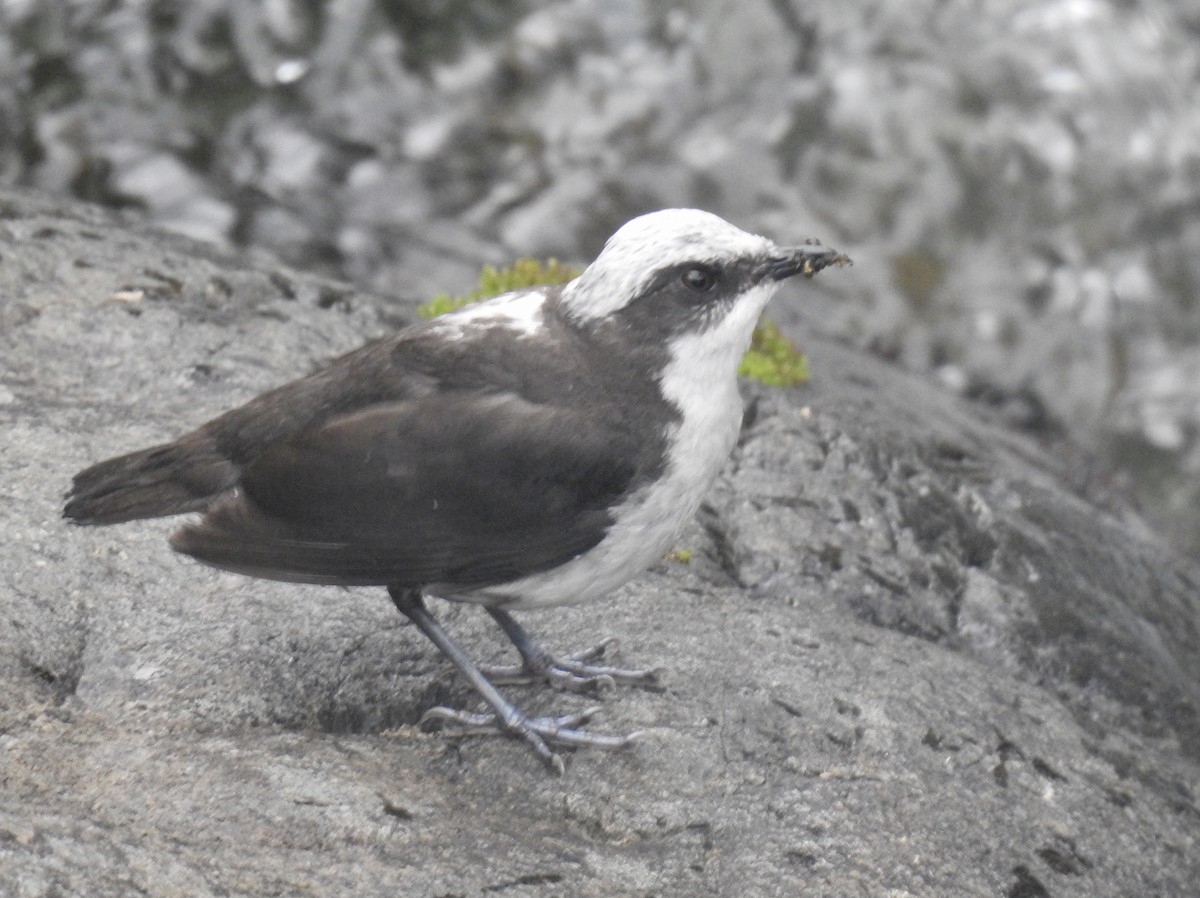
x=701, y=381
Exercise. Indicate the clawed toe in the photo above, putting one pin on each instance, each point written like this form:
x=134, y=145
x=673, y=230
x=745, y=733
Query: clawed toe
x=485, y=723
x=576, y=672
x=596, y=652
x=539, y=732
x=650, y=678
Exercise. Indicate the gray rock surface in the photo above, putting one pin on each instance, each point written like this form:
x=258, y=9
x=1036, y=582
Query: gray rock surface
x=904, y=658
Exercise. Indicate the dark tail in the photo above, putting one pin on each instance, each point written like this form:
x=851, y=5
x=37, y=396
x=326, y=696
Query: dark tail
x=163, y=480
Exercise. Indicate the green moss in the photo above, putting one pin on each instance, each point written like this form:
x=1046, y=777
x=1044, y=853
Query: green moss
x=773, y=358
x=494, y=281
x=681, y=556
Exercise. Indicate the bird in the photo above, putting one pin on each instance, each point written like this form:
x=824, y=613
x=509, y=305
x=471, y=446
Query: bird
x=540, y=448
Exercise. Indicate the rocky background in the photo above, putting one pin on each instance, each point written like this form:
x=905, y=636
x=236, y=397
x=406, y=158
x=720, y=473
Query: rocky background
x=1019, y=179
x=925, y=644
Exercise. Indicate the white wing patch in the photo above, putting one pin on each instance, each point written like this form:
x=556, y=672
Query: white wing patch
x=520, y=311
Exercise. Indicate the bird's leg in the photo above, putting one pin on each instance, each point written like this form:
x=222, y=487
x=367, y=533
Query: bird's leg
x=538, y=732
x=573, y=673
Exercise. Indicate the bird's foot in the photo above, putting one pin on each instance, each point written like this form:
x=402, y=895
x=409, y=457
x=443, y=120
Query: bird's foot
x=575, y=673
x=540, y=733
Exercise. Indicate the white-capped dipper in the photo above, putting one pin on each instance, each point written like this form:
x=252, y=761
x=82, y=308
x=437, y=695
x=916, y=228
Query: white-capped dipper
x=540, y=448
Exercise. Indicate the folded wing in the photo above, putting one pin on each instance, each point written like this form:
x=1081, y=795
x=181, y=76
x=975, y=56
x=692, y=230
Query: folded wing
x=454, y=489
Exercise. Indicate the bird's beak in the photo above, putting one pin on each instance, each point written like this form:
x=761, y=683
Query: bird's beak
x=806, y=260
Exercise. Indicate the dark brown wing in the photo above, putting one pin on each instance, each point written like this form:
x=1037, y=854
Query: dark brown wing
x=456, y=489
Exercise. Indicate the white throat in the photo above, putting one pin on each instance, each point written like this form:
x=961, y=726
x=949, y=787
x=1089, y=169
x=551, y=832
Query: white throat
x=701, y=381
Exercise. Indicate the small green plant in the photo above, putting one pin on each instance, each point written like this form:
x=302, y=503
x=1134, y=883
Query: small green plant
x=494, y=281
x=772, y=359
x=680, y=556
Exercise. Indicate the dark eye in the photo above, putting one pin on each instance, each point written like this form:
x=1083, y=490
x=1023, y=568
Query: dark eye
x=699, y=280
